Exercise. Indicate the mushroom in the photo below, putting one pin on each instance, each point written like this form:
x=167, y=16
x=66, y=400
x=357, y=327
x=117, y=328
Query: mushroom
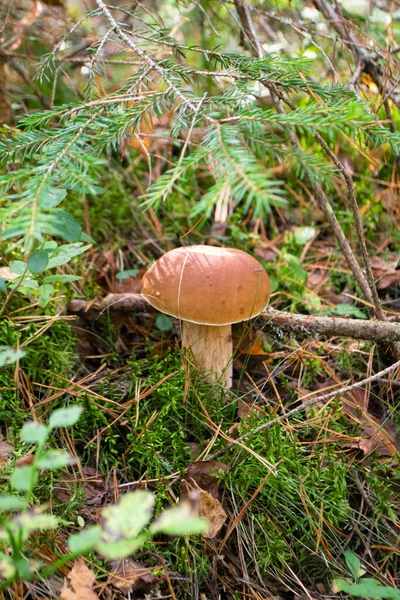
x=208, y=289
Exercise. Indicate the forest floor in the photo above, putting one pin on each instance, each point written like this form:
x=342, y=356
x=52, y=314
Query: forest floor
x=297, y=505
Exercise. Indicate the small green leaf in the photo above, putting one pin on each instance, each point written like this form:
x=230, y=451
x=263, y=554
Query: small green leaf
x=55, y=459
x=29, y=284
x=65, y=253
x=61, y=278
x=180, y=520
x=49, y=198
x=353, y=563
x=368, y=588
x=164, y=323
x=67, y=227
x=17, y=266
x=7, y=567
x=33, y=521
x=344, y=310
x=11, y=503
x=80, y=521
x=302, y=235
x=3, y=286
x=126, y=519
x=65, y=417
x=120, y=549
x=84, y=541
x=9, y=356
x=33, y=433
x=46, y=292
x=86, y=238
x=22, y=478
x=38, y=261
x=127, y=273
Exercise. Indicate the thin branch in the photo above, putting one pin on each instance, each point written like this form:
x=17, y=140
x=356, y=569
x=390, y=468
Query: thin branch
x=375, y=331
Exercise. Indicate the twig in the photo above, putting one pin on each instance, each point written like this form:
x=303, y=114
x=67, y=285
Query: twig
x=376, y=331
x=152, y=63
x=362, y=56
x=317, y=190
x=304, y=405
x=358, y=223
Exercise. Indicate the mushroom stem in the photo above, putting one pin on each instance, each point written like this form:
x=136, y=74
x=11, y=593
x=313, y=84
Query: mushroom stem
x=211, y=347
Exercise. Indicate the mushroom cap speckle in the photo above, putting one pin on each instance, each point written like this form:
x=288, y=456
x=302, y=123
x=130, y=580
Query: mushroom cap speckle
x=207, y=285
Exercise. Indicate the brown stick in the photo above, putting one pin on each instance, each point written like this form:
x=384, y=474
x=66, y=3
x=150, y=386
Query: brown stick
x=375, y=331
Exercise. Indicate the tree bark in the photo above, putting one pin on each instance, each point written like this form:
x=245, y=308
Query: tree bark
x=305, y=325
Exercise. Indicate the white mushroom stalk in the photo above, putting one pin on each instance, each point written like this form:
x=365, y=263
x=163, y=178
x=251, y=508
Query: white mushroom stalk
x=208, y=289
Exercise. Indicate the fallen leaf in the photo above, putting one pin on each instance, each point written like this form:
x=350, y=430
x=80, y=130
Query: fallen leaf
x=7, y=275
x=246, y=409
x=194, y=448
x=266, y=254
x=211, y=510
x=6, y=451
x=78, y=584
x=25, y=460
x=385, y=271
x=203, y=474
x=94, y=489
x=129, y=576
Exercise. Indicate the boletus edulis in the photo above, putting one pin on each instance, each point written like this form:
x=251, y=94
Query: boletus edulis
x=208, y=289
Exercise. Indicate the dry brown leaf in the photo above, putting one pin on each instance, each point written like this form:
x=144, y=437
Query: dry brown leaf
x=211, y=510
x=94, y=488
x=78, y=584
x=25, y=460
x=203, y=474
x=129, y=576
x=6, y=274
x=6, y=451
x=249, y=409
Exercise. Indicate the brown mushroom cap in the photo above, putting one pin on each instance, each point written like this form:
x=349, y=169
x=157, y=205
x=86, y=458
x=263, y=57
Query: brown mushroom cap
x=207, y=285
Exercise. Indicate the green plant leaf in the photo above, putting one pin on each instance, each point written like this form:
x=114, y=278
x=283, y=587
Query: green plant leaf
x=50, y=198
x=65, y=417
x=368, y=588
x=120, y=549
x=18, y=267
x=344, y=310
x=11, y=503
x=33, y=432
x=29, y=284
x=46, y=292
x=67, y=227
x=302, y=235
x=38, y=261
x=61, y=278
x=3, y=286
x=55, y=459
x=84, y=541
x=353, y=563
x=65, y=253
x=127, y=273
x=9, y=356
x=180, y=520
x=164, y=323
x=22, y=477
x=34, y=521
x=126, y=519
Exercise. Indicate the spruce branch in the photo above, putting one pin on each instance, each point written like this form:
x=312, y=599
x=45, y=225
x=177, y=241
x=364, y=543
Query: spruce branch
x=317, y=190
